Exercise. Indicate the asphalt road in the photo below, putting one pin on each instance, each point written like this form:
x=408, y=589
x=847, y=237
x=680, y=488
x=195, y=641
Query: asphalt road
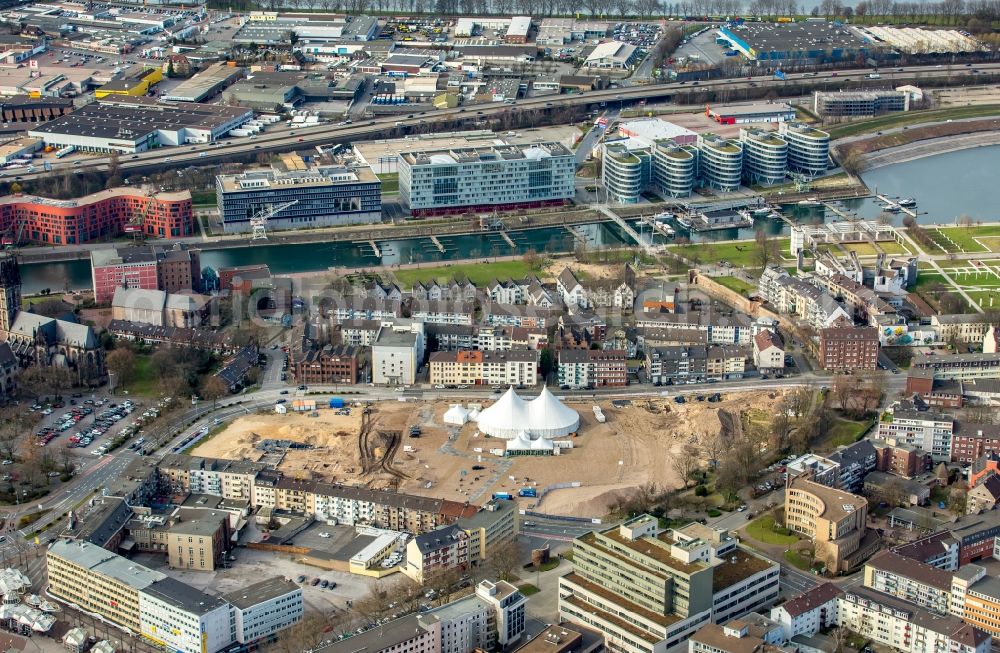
x=325, y=134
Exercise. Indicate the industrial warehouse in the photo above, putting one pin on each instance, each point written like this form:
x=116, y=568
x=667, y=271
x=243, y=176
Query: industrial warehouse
x=130, y=124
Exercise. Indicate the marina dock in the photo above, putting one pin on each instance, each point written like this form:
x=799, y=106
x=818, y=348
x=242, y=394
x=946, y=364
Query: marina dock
x=375, y=248
x=909, y=212
x=437, y=243
x=503, y=234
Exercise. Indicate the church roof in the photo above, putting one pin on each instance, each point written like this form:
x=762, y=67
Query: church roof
x=55, y=331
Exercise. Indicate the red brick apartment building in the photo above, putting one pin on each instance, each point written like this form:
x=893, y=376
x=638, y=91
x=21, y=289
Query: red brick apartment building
x=150, y=268
x=96, y=216
x=848, y=348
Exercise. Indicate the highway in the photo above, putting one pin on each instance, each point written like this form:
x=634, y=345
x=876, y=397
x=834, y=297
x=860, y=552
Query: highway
x=308, y=137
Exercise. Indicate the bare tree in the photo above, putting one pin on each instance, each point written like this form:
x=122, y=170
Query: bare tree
x=685, y=463
x=121, y=361
x=504, y=560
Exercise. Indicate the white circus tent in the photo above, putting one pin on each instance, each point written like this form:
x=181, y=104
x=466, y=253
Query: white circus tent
x=543, y=417
x=456, y=415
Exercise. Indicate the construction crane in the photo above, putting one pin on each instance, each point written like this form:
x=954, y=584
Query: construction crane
x=136, y=223
x=12, y=239
x=258, y=221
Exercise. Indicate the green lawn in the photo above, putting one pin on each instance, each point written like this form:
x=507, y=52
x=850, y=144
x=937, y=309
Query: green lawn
x=844, y=432
x=763, y=530
x=798, y=561
x=966, y=236
x=478, y=273
x=738, y=253
x=203, y=198
x=735, y=284
x=528, y=589
x=894, y=120
x=144, y=381
x=390, y=182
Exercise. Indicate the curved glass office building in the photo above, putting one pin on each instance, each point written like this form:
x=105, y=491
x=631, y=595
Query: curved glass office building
x=625, y=172
x=674, y=168
x=808, y=148
x=720, y=161
x=765, y=157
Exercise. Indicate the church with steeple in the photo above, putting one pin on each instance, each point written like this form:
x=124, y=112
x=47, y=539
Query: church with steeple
x=46, y=341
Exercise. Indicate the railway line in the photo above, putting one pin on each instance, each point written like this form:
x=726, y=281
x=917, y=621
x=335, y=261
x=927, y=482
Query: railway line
x=326, y=134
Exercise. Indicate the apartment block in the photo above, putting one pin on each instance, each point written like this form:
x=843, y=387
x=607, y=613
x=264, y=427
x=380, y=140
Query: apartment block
x=593, y=368
x=647, y=590
x=512, y=367
x=927, y=430
x=970, y=441
x=910, y=580
x=956, y=367
x=848, y=348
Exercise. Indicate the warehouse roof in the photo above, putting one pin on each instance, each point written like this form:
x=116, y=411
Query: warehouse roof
x=134, y=121
x=798, y=37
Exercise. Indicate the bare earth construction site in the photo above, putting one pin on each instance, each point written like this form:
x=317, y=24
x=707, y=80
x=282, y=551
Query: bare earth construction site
x=633, y=447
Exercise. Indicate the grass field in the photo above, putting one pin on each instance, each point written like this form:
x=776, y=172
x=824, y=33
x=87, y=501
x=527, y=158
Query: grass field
x=203, y=198
x=844, y=432
x=943, y=245
x=144, y=382
x=735, y=284
x=740, y=254
x=966, y=237
x=798, y=561
x=763, y=530
x=862, y=249
x=892, y=248
x=478, y=273
x=390, y=182
x=895, y=120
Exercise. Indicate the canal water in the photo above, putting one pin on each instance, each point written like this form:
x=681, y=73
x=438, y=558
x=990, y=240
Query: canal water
x=945, y=187
x=311, y=257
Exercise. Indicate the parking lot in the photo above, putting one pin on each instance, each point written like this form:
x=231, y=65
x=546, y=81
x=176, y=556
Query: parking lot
x=702, y=48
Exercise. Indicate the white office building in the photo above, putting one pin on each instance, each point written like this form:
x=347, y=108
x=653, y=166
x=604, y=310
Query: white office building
x=720, y=162
x=808, y=148
x=485, y=178
x=264, y=608
x=184, y=619
x=675, y=168
x=765, y=156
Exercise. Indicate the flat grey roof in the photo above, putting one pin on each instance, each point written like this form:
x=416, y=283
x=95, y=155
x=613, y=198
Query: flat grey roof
x=184, y=597
x=264, y=590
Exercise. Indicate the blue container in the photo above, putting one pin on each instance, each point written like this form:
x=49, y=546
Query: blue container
x=336, y=402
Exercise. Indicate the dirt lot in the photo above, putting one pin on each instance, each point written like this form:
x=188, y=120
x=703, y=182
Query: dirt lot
x=632, y=448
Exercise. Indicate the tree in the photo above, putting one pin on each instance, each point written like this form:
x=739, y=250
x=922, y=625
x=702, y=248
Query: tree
x=545, y=359
x=957, y=501
x=684, y=463
x=503, y=561
x=122, y=363
x=532, y=260
x=767, y=249
x=854, y=163
x=214, y=388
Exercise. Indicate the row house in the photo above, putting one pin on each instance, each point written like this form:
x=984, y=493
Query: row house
x=376, y=289
x=454, y=290
x=510, y=291
x=359, y=332
x=617, y=293
x=593, y=368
